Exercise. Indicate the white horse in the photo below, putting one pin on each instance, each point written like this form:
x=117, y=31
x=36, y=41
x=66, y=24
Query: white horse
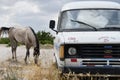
x=24, y=35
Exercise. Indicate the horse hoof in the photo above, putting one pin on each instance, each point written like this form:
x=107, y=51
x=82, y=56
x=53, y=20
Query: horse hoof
x=29, y=62
x=16, y=60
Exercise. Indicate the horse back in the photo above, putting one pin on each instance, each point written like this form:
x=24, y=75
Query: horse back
x=22, y=35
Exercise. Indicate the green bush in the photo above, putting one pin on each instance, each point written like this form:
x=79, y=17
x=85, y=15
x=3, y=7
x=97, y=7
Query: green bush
x=4, y=41
x=45, y=37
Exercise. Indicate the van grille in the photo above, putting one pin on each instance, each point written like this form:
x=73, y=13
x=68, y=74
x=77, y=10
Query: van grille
x=101, y=62
x=94, y=62
x=94, y=50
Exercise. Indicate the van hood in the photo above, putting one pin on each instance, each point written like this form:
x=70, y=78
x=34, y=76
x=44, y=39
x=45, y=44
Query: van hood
x=91, y=37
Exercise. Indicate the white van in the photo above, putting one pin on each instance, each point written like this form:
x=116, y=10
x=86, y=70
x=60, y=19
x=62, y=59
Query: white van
x=88, y=37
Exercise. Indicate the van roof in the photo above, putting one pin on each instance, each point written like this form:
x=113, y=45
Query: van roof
x=91, y=4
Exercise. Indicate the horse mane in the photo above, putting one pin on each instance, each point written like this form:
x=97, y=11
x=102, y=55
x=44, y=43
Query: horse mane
x=36, y=38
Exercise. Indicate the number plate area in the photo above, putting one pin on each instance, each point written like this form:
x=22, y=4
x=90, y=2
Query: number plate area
x=76, y=62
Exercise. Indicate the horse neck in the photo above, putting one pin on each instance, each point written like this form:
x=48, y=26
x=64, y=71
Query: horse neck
x=36, y=46
x=36, y=39
x=36, y=49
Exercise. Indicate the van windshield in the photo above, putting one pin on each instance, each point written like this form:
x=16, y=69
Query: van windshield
x=90, y=20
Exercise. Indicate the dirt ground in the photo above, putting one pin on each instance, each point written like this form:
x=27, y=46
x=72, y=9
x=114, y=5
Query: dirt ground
x=18, y=70
x=46, y=55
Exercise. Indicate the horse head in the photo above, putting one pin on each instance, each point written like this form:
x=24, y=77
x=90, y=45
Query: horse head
x=36, y=54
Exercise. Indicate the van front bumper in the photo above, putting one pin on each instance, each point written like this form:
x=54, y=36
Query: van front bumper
x=93, y=70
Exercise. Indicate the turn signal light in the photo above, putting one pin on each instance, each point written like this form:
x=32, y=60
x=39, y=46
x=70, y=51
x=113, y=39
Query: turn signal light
x=61, y=54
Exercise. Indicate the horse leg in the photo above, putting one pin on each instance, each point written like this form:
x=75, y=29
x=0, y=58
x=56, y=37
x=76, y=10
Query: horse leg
x=13, y=53
x=14, y=47
x=27, y=55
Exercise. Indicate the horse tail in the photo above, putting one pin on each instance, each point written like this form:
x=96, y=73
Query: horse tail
x=4, y=30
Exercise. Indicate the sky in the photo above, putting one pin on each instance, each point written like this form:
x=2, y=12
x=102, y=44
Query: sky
x=34, y=13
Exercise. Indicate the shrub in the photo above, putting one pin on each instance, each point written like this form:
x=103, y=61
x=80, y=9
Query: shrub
x=4, y=41
x=45, y=37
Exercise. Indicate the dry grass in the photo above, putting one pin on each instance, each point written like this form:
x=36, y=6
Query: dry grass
x=11, y=70
x=20, y=71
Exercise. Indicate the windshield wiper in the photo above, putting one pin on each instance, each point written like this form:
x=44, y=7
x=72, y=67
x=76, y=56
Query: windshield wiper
x=85, y=24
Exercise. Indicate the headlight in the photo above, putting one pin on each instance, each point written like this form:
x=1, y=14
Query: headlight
x=72, y=51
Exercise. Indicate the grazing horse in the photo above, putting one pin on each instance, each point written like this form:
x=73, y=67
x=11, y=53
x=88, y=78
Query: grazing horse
x=24, y=35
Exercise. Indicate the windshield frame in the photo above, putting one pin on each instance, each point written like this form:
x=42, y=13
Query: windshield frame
x=67, y=30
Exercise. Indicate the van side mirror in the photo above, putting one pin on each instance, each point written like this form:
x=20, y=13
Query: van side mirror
x=52, y=24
